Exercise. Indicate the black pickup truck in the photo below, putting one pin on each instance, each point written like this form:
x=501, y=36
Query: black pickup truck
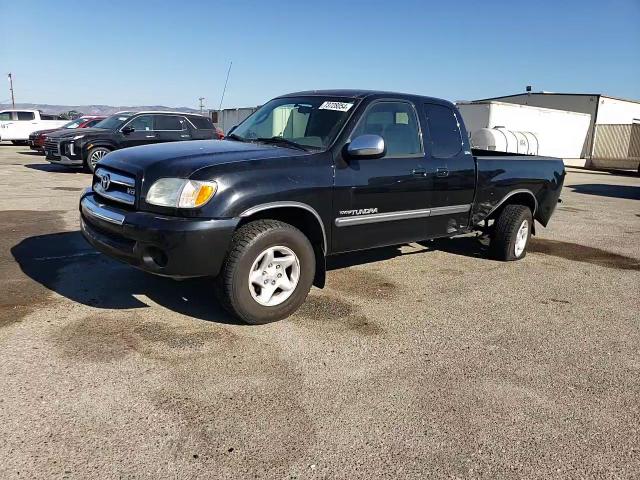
x=124, y=129
x=308, y=175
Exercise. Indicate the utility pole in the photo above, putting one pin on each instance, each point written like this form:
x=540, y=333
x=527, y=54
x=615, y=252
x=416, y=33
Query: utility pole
x=201, y=104
x=13, y=100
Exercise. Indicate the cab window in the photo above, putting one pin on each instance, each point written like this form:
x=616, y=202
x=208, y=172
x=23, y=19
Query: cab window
x=5, y=116
x=395, y=122
x=444, y=136
x=26, y=116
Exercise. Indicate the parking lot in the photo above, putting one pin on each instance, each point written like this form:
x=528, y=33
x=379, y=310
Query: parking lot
x=415, y=361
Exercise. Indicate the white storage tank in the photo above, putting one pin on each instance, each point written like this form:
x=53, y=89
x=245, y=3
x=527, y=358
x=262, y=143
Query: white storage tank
x=500, y=139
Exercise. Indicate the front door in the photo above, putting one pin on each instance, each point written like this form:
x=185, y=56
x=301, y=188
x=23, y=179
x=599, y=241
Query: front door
x=383, y=201
x=143, y=132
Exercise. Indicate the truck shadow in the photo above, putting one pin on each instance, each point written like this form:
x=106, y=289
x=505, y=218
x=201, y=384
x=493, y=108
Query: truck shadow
x=630, y=192
x=66, y=264
x=48, y=167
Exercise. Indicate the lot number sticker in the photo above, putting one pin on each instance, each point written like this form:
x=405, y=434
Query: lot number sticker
x=338, y=106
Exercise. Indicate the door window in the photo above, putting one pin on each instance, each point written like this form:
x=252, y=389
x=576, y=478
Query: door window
x=444, y=132
x=170, y=122
x=395, y=122
x=5, y=116
x=142, y=123
x=26, y=116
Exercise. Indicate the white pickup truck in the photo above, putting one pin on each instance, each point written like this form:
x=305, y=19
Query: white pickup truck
x=17, y=125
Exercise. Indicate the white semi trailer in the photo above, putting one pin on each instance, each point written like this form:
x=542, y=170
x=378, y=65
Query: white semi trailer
x=525, y=129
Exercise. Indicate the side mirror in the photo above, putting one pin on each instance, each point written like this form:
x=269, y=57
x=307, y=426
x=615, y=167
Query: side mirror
x=127, y=130
x=367, y=146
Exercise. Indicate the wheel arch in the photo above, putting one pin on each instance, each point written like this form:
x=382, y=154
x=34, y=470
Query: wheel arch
x=520, y=196
x=302, y=216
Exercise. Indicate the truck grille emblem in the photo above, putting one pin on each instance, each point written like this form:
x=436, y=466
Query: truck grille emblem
x=105, y=181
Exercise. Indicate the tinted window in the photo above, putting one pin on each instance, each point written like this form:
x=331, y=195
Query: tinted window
x=444, y=134
x=202, y=123
x=396, y=123
x=141, y=123
x=4, y=116
x=47, y=117
x=26, y=116
x=169, y=122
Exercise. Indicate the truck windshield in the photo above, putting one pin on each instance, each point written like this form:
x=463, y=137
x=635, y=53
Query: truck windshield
x=309, y=122
x=113, y=122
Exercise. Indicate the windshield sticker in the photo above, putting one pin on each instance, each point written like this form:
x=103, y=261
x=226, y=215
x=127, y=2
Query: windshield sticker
x=338, y=106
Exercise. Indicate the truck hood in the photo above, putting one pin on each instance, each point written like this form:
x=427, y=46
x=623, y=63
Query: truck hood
x=183, y=159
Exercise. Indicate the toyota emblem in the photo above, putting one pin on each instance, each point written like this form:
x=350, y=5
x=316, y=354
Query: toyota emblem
x=105, y=181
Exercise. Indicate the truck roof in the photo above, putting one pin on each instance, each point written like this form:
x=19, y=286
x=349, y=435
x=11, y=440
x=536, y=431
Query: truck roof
x=357, y=93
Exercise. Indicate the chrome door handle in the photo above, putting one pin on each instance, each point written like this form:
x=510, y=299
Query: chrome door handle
x=419, y=172
x=151, y=136
x=442, y=172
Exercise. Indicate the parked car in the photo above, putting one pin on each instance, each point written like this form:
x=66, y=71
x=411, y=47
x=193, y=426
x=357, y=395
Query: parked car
x=17, y=125
x=122, y=130
x=37, y=138
x=309, y=175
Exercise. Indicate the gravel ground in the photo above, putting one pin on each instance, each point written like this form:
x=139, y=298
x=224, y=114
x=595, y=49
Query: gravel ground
x=417, y=361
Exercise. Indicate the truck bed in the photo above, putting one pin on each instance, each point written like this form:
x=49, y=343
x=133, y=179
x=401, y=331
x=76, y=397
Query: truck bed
x=501, y=174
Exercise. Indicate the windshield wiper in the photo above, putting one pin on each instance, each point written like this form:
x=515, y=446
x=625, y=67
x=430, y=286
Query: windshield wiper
x=282, y=141
x=233, y=136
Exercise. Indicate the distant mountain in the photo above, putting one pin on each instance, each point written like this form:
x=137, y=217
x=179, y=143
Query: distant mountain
x=93, y=109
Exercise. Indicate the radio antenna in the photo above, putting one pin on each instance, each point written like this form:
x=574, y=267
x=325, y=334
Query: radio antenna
x=225, y=85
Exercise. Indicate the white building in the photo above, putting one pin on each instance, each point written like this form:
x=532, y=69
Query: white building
x=230, y=117
x=613, y=138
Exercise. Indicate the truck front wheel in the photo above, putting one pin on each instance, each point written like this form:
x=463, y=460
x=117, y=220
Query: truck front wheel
x=267, y=273
x=511, y=233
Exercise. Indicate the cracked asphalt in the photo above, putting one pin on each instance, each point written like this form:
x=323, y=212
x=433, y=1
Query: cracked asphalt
x=420, y=361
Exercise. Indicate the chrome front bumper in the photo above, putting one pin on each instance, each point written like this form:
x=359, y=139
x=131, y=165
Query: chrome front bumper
x=94, y=209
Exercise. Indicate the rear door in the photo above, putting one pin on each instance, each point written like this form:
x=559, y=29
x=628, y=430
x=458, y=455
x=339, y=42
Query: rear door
x=450, y=169
x=379, y=201
x=143, y=134
x=172, y=128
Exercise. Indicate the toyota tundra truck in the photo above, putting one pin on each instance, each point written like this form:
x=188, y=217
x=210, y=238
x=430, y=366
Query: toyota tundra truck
x=309, y=175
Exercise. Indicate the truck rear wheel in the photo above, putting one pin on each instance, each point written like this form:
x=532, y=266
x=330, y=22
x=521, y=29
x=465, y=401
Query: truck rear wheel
x=511, y=233
x=268, y=272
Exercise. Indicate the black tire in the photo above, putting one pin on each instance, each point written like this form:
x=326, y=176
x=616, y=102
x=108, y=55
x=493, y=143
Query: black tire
x=88, y=163
x=249, y=241
x=505, y=233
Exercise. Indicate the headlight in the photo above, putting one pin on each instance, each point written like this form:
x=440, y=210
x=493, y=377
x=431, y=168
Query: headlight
x=181, y=193
x=78, y=137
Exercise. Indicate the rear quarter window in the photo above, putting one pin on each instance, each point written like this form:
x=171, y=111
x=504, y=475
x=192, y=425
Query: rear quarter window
x=26, y=116
x=444, y=138
x=202, y=123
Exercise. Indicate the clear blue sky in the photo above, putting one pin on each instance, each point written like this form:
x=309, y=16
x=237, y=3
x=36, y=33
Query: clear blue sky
x=130, y=52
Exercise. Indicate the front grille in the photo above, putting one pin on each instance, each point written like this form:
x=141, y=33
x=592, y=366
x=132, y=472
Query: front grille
x=115, y=186
x=51, y=147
